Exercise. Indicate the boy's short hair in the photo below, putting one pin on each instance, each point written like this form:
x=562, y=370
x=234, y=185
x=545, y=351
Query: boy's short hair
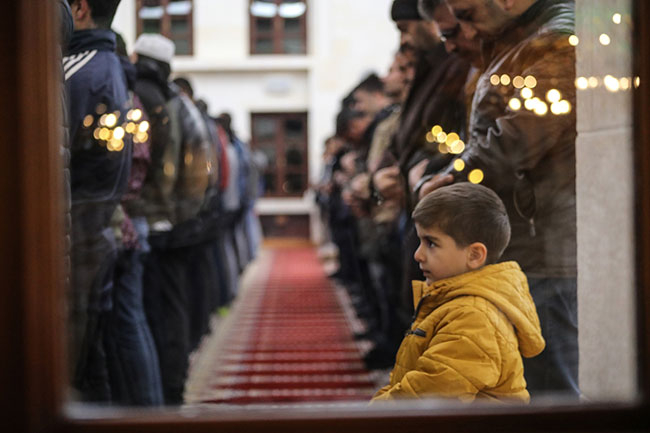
x=102, y=11
x=467, y=213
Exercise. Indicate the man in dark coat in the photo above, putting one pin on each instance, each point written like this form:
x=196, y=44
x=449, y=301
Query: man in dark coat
x=100, y=155
x=172, y=197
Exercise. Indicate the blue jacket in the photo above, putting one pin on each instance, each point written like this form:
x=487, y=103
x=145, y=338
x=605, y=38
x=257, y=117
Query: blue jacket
x=96, y=86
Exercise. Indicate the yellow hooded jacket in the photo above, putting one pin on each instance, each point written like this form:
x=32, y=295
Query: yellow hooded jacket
x=468, y=337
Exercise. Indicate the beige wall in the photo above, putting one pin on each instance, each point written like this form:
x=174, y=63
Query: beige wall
x=605, y=206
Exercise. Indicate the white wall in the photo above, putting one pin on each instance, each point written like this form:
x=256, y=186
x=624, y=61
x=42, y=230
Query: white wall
x=605, y=206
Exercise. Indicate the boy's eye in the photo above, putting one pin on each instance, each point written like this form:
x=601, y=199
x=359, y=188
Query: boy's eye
x=431, y=244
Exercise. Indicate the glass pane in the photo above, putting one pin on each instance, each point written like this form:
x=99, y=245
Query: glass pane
x=581, y=101
x=294, y=129
x=270, y=153
x=293, y=45
x=292, y=25
x=263, y=24
x=294, y=157
x=263, y=46
x=180, y=26
x=264, y=128
x=151, y=26
x=182, y=47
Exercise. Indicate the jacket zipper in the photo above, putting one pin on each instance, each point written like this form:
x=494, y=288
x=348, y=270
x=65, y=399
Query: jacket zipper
x=417, y=331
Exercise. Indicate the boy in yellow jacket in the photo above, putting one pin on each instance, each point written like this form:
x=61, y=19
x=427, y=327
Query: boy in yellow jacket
x=474, y=318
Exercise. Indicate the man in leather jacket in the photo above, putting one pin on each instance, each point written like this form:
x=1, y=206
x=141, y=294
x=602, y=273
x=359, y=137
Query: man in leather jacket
x=525, y=152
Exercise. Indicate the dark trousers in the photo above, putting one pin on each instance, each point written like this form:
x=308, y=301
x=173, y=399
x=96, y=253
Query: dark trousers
x=132, y=356
x=555, y=370
x=167, y=308
x=203, y=293
x=93, y=257
x=219, y=251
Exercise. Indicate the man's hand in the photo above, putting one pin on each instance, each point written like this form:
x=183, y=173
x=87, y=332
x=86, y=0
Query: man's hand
x=416, y=173
x=360, y=185
x=348, y=162
x=434, y=183
x=388, y=183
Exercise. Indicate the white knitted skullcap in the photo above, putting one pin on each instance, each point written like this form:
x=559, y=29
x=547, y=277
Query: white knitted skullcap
x=155, y=46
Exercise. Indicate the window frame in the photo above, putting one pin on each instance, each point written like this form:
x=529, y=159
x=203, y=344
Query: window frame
x=277, y=33
x=166, y=24
x=31, y=254
x=282, y=170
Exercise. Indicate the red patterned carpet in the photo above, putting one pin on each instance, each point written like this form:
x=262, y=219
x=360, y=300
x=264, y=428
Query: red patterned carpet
x=286, y=340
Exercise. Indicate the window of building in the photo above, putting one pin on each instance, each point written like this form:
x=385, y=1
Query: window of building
x=278, y=26
x=170, y=18
x=283, y=139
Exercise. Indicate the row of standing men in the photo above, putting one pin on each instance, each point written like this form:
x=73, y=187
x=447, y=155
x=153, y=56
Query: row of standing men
x=454, y=107
x=161, y=220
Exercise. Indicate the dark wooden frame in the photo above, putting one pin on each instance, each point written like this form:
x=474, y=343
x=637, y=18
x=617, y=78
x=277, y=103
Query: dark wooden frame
x=281, y=171
x=31, y=263
x=166, y=23
x=277, y=32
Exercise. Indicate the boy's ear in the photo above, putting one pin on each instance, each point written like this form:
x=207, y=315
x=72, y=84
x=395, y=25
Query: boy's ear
x=476, y=255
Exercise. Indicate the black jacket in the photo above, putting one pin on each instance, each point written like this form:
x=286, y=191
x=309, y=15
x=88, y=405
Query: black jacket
x=96, y=87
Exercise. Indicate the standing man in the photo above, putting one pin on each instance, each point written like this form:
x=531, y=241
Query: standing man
x=172, y=196
x=100, y=154
x=527, y=156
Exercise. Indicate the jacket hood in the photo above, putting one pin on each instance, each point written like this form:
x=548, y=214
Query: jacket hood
x=504, y=285
x=93, y=39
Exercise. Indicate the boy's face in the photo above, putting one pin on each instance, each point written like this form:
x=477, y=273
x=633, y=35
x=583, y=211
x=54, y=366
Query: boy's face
x=439, y=256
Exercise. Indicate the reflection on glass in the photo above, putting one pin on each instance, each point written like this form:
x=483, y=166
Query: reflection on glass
x=603, y=83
